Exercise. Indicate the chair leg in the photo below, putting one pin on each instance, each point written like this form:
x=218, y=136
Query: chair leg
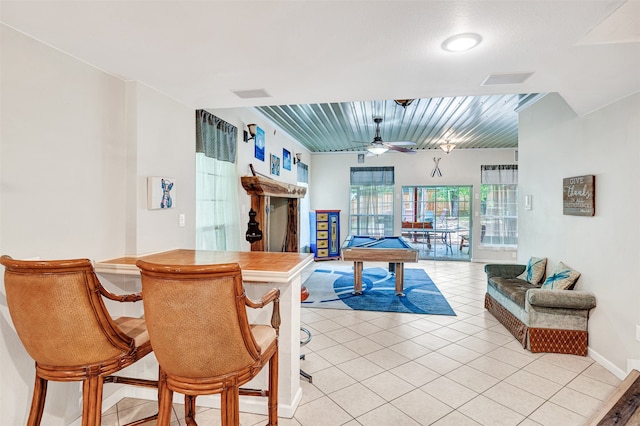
x=37, y=402
x=165, y=401
x=230, y=405
x=273, y=390
x=304, y=374
x=302, y=343
x=92, y=401
x=190, y=409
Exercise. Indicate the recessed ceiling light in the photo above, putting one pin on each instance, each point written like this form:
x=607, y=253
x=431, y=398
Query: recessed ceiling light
x=461, y=42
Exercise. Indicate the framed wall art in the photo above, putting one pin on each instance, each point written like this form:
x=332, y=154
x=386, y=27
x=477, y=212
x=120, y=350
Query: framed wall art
x=286, y=159
x=579, y=195
x=259, y=144
x=275, y=165
x=161, y=193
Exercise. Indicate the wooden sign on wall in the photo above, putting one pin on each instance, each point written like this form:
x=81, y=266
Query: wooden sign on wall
x=579, y=195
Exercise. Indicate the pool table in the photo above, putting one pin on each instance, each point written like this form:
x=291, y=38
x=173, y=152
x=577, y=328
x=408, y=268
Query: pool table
x=395, y=250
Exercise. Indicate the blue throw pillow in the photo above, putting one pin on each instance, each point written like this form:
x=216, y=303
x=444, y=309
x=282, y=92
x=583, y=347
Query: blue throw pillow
x=562, y=278
x=536, y=267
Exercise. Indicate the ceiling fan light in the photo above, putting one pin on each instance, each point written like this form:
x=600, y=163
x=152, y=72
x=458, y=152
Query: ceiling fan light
x=447, y=147
x=377, y=150
x=461, y=42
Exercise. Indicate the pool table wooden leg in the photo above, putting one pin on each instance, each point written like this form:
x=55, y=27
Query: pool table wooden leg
x=400, y=279
x=357, y=277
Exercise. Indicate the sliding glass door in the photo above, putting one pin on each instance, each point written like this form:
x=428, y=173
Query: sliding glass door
x=437, y=220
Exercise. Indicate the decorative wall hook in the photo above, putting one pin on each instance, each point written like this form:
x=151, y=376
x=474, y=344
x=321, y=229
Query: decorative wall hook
x=436, y=170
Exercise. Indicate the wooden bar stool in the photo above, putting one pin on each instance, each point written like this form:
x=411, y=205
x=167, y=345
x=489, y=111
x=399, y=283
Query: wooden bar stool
x=201, y=336
x=58, y=312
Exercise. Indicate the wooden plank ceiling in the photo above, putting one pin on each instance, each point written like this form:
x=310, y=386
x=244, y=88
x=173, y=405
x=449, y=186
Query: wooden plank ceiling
x=470, y=122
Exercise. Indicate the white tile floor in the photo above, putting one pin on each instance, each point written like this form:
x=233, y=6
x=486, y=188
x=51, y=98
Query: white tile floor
x=378, y=369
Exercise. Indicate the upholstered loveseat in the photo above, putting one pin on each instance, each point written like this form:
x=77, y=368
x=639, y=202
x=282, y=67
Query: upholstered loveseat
x=542, y=320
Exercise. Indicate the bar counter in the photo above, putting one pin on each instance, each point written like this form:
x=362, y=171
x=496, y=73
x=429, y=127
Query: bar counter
x=261, y=271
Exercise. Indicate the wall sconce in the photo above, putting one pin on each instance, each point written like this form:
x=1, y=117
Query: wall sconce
x=297, y=158
x=252, y=131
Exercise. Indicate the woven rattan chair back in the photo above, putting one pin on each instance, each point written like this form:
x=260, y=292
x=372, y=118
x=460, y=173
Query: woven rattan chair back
x=57, y=310
x=199, y=328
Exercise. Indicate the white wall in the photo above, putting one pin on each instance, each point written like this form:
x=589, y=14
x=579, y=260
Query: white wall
x=164, y=146
x=62, y=177
x=330, y=180
x=556, y=144
x=76, y=146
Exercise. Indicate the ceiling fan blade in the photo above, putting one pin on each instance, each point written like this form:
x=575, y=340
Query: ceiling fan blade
x=400, y=149
x=379, y=143
x=402, y=143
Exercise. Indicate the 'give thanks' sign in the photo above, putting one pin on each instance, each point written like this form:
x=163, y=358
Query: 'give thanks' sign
x=579, y=195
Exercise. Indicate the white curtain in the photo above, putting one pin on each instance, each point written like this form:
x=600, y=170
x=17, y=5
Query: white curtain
x=305, y=206
x=499, y=175
x=499, y=207
x=217, y=216
x=371, y=201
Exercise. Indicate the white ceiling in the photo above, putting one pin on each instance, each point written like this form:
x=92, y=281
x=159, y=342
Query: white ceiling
x=300, y=52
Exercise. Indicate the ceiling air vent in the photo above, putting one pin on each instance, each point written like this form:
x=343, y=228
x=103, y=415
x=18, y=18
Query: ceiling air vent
x=249, y=94
x=513, y=78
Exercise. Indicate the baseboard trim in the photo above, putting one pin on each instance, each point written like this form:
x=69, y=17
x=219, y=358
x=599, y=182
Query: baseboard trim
x=248, y=404
x=613, y=369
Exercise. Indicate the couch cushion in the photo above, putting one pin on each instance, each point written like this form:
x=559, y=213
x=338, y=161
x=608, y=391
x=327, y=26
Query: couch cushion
x=514, y=289
x=566, y=299
x=562, y=278
x=536, y=267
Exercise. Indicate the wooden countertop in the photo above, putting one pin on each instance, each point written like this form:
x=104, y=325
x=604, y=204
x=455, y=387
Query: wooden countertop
x=256, y=265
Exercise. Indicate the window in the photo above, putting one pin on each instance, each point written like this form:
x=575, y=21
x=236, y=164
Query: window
x=499, y=205
x=304, y=205
x=217, y=216
x=371, y=203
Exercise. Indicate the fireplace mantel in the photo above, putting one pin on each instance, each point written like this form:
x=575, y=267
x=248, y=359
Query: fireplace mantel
x=258, y=185
x=261, y=189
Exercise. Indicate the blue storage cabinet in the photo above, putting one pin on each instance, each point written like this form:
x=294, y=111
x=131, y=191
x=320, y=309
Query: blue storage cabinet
x=325, y=234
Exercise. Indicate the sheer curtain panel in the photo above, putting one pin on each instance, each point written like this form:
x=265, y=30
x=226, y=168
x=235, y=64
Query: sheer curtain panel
x=371, y=203
x=499, y=205
x=217, y=216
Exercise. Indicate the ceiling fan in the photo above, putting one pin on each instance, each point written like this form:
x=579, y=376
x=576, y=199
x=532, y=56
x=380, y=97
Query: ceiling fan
x=378, y=146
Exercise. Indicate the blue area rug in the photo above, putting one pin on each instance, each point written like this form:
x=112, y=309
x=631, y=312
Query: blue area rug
x=332, y=288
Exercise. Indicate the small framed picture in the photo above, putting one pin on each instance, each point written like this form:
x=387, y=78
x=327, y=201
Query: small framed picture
x=259, y=144
x=275, y=165
x=579, y=195
x=286, y=159
x=161, y=193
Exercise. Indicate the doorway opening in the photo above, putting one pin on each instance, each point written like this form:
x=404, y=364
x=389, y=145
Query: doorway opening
x=436, y=220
